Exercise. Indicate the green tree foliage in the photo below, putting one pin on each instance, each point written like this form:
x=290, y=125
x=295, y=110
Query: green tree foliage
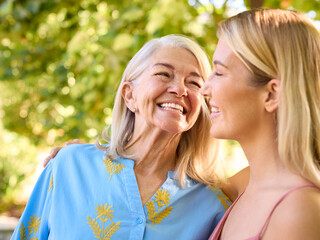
x=17, y=155
x=61, y=60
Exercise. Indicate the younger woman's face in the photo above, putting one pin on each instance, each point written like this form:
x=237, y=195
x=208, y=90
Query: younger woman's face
x=236, y=106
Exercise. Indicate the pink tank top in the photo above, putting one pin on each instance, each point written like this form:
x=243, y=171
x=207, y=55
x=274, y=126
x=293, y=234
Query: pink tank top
x=217, y=231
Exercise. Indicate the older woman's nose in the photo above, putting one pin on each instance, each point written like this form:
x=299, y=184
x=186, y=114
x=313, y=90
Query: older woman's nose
x=179, y=88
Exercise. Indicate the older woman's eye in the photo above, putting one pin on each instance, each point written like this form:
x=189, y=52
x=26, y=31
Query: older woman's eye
x=195, y=83
x=163, y=74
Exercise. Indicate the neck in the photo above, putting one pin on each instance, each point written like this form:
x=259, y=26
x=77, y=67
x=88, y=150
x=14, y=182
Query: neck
x=153, y=151
x=266, y=168
x=154, y=155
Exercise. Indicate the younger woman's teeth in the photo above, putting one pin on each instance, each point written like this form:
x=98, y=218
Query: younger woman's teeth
x=215, y=109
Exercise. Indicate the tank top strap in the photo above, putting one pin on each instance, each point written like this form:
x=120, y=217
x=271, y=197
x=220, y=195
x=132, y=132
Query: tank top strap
x=215, y=235
x=259, y=235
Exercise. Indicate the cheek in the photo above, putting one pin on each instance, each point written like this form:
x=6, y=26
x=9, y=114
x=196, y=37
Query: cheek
x=217, y=87
x=219, y=95
x=241, y=107
x=196, y=100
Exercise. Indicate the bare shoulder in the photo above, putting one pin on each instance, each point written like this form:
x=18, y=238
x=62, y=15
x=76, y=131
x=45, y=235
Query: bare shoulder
x=297, y=216
x=236, y=184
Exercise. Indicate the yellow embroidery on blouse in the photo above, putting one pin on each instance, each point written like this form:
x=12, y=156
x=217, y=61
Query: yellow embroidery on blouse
x=104, y=213
x=162, y=199
x=224, y=200
x=112, y=167
x=51, y=183
x=33, y=227
x=222, y=197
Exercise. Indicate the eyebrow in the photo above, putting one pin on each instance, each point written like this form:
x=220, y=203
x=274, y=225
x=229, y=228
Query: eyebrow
x=195, y=74
x=165, y=65
x=217, y=62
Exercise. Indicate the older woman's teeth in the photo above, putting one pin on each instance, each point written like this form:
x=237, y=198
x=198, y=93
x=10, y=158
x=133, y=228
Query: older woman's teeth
x=172, y=106
x=215, y=109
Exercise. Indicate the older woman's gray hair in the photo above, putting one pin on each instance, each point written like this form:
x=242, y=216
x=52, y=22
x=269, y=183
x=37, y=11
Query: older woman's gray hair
x=197, y=151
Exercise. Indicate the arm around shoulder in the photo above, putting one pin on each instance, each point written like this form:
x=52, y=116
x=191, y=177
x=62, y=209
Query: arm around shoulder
x=237, y=183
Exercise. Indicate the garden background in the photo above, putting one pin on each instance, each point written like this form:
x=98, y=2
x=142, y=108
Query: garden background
x=61, y=62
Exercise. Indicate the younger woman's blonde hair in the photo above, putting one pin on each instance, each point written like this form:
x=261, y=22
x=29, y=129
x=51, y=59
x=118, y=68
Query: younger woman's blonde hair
x=285, y=45
x=197, y=151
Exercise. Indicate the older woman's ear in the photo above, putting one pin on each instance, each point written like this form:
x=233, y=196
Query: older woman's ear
x=128, y=96
x=272, y=99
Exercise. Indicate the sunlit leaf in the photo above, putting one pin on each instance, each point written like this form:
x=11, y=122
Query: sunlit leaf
x=122, y=41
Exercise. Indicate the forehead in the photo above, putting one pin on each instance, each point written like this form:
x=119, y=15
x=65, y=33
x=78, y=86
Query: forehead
x=177, y=56
x=223, y=55
x=223, y=52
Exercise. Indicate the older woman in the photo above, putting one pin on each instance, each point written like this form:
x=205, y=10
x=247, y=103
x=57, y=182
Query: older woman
x=265, y=94
x=145, y=183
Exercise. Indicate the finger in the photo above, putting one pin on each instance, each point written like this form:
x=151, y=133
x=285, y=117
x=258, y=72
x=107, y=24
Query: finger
x=72, y=141
x=54, y=151
x=75, y=141
x=46, y=161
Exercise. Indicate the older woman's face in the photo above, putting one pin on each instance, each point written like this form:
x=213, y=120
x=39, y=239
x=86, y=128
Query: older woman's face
x=167, y=94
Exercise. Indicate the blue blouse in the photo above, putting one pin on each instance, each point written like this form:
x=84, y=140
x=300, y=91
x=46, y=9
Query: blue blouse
x=83, y=195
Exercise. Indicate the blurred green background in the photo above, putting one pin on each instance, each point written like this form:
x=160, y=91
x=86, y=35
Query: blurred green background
x=61, y=62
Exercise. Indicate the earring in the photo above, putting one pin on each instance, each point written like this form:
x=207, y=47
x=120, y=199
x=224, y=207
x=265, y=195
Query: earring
x=133, y=109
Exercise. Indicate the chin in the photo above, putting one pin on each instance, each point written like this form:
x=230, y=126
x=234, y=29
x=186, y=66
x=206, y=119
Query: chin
x=218, y=133
x=174, y=128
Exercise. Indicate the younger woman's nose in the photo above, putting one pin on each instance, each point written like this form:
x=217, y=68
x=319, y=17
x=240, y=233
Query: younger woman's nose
x=204, y=90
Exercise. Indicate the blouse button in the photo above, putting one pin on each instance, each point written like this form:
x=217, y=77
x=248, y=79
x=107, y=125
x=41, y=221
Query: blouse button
x=139, y=220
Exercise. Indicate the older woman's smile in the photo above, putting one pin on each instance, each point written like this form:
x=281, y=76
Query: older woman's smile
x=173, y=107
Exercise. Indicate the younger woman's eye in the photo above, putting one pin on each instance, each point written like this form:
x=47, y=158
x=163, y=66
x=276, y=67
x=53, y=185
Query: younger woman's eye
x=217, y=74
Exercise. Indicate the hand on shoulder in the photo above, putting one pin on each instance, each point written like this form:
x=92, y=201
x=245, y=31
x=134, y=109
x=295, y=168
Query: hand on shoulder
x=56, y=149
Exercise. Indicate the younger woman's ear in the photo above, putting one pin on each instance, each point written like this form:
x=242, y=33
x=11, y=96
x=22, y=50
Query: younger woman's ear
x=273, y=95
x=127, y=94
